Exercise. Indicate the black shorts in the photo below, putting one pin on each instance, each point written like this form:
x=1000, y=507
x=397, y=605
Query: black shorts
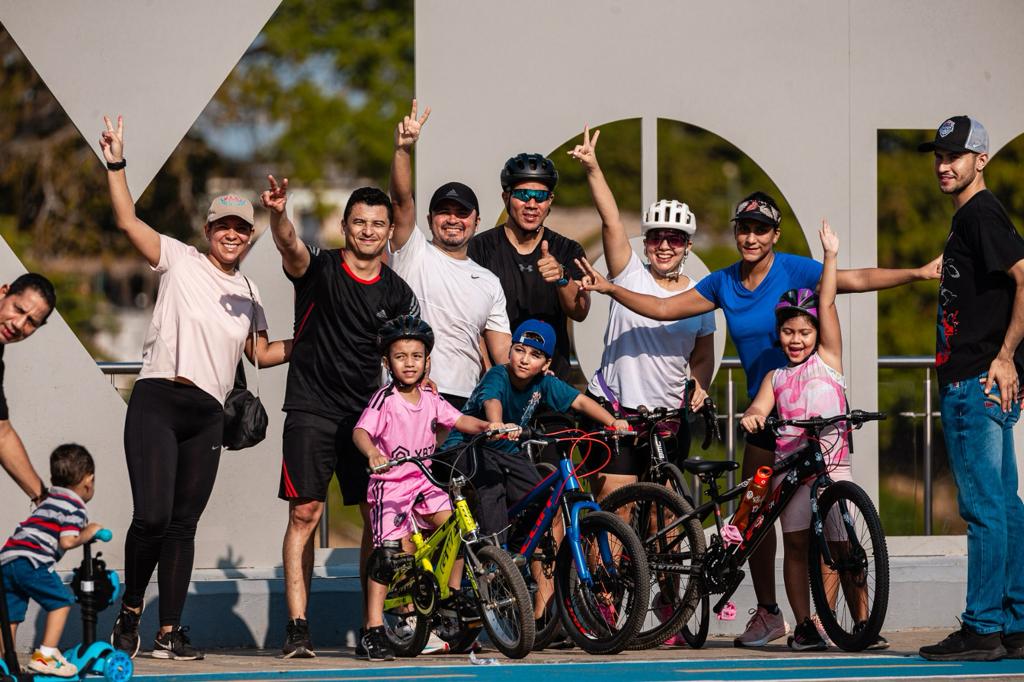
x=314, y=449
x=546, y=420
x=632, y=456
x=764, y=438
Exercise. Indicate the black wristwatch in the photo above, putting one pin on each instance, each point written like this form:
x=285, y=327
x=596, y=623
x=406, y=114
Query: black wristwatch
x=116, y=166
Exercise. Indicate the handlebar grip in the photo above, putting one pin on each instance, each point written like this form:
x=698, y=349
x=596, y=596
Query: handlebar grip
x=104, y=535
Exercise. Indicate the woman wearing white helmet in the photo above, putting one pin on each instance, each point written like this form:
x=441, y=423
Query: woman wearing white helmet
x=645, y=362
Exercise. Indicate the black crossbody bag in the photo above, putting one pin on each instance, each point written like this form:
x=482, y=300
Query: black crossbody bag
x=245, y=420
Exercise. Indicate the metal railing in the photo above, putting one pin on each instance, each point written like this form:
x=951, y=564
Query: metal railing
x=731, y=417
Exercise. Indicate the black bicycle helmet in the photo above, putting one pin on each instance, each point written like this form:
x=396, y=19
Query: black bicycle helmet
x=404, y=327
x=528, y=168
x=797, y=302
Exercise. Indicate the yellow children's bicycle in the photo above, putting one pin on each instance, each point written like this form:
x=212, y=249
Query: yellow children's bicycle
x=419, y=598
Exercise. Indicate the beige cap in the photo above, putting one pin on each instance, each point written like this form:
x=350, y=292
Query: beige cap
x=231, y=204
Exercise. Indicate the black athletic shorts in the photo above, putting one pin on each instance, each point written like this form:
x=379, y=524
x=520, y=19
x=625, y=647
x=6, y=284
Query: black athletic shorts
x=633, y=454
x=316, y=448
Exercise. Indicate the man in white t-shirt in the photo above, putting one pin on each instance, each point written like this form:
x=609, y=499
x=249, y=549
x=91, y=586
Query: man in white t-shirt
x=461, y=300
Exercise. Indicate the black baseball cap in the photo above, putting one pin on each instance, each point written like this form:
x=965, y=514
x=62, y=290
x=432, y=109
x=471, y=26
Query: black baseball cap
x=958, y=134
x=458, y=193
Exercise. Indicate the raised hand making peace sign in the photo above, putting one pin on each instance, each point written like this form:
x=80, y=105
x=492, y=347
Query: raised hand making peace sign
x=586, y=153
x=112, y=141
x=408, y=130
x=275, y=198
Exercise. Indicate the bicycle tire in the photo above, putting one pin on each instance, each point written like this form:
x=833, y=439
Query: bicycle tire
x=695, y=630
x=408, y=641
x=622, y=587
x=674, y=480
x=678, y=592
x=846, y=623
x=502, y=590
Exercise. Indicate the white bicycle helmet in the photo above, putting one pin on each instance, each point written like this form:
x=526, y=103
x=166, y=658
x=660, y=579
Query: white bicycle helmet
x=671, y=214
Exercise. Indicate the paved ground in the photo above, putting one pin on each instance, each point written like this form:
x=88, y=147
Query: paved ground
x=719, y=660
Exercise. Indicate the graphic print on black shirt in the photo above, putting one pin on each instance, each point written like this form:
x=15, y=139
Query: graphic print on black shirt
x=527, y=295
x=975, y=291
x=335, y=366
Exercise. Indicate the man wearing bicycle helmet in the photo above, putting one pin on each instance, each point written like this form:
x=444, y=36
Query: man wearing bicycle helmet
x=979, y=362
x=536, y=266
x=402, y=420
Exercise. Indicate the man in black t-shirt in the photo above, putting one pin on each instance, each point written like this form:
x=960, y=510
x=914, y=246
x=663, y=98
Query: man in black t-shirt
x=25, y=305
x=979, y=362
x=342, y=297
x=536, y=265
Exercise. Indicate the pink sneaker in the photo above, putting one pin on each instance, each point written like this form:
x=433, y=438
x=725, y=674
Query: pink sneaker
x=609, y=614
x=763, y=627
x=663, y=612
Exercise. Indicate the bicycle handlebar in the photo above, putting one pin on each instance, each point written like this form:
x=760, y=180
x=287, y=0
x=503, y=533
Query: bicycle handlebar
x=855, y=417
x=418, y=461
x=645, y=416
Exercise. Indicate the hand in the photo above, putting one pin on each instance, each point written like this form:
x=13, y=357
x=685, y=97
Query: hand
x=932, y=270
x=112, y=141
x=428, y=385
x=378, y=462
x=829, y=239
x=275, y=198
x=1003, y=373
x=592, y=279
x=90, y=530
x=586, y=153
x=549, y=268
x=752, y=423
x=620, y=425
x=408, y=130
x=698, y=396
x=516, y=432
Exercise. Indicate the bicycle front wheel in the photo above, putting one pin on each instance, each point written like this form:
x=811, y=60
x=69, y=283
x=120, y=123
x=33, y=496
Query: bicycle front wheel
x=849, y=583
x=505, y=603
x=671, y=556
x=603, y=615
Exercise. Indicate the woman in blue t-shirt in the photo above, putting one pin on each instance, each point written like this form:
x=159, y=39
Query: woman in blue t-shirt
x=747, y=292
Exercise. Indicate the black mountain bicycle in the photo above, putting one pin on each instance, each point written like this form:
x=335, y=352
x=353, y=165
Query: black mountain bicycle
x=848, y=562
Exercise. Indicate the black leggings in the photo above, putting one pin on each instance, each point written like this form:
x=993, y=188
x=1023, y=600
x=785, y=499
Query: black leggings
x=172, y=441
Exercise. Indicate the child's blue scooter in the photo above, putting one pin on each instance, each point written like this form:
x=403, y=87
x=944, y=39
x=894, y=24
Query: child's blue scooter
x=95, y=588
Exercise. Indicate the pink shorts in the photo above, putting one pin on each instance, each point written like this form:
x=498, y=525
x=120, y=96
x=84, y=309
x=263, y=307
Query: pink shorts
x=797, y=514
x=391, y=502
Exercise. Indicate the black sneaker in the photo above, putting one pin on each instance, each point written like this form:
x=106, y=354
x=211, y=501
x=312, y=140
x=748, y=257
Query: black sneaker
x=375, y=643
x=877, y=645
x=966, y=645
x=806, y=637
x=125, y=635
x=176, y=645
x=360, y=649
x=296, y=640
x=1014, y=645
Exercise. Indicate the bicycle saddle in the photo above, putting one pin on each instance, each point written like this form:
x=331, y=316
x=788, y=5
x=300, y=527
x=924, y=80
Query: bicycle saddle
x=709, y=466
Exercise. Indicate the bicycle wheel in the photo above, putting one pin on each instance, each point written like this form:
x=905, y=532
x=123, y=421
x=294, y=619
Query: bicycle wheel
x=504, y=603
x=672, y=478
x=604, y=615
x=695, y=631
x=851, y=592
x=675, y=592
x=407, y=632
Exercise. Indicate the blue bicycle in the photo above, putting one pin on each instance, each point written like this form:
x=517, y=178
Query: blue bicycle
x=601, y=579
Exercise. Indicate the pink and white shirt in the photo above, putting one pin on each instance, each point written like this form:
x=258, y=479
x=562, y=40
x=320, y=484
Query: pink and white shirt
x=810, y=389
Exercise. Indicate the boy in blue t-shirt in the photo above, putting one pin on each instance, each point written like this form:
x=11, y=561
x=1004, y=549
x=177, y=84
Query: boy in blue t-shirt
x=511, y=393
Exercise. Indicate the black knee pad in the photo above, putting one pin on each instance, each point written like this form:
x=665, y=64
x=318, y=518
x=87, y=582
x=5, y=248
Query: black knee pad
x=380, y=567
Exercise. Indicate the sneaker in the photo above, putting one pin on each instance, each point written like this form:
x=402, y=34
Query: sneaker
x=763, y=627
x=296, y=641
x=663, y=612
x=821, y=628
x=877, y=645
x=360, y=649
x=806, y=638
x=966, y=645
x=375, y=643
x=176, y=645
x=609, y=614
x=52, y=665
x=1014, y=645
x=436, y=645
x=125, y=635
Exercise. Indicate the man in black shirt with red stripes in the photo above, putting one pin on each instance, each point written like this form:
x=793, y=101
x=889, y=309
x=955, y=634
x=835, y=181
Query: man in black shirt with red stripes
x=342, y=297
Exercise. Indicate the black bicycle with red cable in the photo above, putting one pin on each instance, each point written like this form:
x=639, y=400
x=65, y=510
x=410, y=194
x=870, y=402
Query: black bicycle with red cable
x=848, y=561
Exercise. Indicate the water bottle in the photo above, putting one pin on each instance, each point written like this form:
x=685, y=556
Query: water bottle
x=752, y=497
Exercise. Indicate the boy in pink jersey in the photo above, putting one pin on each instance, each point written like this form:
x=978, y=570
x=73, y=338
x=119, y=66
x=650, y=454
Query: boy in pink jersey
x=402, y=420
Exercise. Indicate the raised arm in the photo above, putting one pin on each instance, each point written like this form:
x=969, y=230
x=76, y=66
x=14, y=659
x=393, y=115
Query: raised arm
x=573, y=298
x=400, y=186
x=16, y=463
x=875, y=279
x=144, y=238
x=830, y=335
x=294, y=254
x=678, y=307
x=617, y=250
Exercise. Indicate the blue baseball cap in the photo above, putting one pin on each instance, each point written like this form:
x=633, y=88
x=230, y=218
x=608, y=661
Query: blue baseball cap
x=536, y=334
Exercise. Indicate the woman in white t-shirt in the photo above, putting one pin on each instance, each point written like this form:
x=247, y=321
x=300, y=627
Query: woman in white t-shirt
x=202, y=323
x=645, y=362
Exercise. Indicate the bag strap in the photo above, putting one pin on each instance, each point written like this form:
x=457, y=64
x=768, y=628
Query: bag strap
x=252, y=327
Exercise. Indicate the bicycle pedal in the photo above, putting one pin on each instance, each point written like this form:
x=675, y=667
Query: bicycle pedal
x=728, y=612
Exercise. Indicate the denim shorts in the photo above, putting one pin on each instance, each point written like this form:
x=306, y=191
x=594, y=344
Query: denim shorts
x=23, y=581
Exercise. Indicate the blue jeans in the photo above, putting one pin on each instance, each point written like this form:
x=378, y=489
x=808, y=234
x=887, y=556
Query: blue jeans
x=979, y=441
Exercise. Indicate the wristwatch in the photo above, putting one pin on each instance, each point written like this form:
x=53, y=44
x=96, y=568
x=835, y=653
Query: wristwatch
x=563, y=281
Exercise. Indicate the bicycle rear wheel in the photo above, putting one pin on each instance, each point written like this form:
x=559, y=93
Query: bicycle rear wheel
x=695, y=630
x=672, y=478
x=675, y=591
x=851, y=590
x=603, y=616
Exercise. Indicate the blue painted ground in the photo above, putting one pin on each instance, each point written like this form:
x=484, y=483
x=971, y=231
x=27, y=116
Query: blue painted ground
x=802, y=668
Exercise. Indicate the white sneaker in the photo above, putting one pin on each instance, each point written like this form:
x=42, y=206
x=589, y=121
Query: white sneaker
x=436, y=645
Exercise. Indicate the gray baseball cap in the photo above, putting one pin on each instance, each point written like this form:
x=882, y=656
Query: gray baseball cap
x=958, y=134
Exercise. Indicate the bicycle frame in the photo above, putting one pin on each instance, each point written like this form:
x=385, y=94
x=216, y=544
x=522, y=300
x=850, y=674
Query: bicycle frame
x=563, y=491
